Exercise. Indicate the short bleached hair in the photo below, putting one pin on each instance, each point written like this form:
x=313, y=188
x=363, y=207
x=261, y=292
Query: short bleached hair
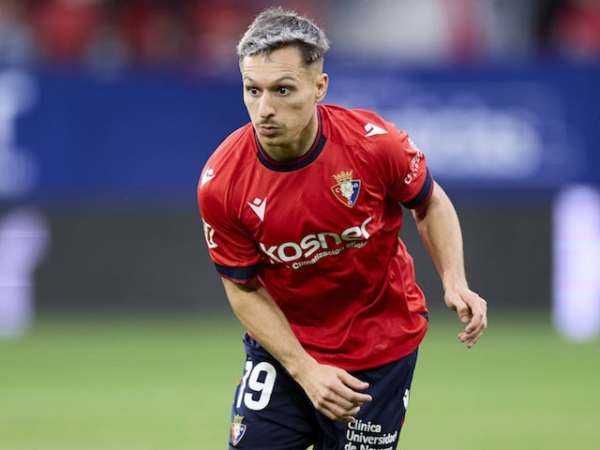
x=275, y=28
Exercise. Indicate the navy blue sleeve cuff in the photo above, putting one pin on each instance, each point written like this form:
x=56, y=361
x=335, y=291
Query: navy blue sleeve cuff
x=423, y=194
x=237, y=274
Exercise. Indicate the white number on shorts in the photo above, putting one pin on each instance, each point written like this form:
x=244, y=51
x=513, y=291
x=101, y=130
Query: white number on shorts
x=265, y=387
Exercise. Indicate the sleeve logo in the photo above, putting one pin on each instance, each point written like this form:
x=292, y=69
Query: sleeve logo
x=413, y=167
x=207, y=176
x=209, y=235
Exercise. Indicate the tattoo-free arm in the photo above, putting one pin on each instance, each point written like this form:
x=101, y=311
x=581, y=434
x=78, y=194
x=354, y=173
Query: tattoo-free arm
x=331, y=390
x=439, y=229
x=265, y=322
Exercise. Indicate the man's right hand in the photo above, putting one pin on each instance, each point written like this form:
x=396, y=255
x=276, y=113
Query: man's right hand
x=332, y=391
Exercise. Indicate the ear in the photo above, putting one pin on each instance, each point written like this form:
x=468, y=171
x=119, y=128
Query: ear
x=321, y=84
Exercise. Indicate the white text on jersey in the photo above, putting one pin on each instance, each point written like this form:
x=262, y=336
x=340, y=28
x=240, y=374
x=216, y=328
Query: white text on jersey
x=332, y=243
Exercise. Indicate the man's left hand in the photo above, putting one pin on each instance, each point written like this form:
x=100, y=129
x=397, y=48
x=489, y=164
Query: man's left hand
x=471, y=310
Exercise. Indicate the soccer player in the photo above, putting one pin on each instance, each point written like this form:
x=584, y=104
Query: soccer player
x=301, y=210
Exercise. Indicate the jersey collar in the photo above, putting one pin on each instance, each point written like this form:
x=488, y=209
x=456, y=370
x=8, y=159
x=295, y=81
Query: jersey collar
x=298, y=163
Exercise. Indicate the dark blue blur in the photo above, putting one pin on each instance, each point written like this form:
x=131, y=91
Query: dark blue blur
x=144, y=135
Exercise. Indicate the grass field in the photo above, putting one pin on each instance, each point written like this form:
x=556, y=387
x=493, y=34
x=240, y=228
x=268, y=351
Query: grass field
x=149, y=384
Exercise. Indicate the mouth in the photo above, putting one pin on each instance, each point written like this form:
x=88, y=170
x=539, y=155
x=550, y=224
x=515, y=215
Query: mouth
x=268, y=130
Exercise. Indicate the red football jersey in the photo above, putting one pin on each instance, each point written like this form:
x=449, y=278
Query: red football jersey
x=320, y=233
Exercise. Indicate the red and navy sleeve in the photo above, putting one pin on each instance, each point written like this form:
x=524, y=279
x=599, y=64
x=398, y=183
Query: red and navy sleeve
x=404, y=169
x=230, y=247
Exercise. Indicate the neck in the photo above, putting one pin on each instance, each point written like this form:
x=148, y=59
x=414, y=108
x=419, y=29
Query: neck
x=298, y=146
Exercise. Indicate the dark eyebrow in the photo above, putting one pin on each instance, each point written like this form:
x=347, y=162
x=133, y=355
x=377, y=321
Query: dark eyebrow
x=278, y=80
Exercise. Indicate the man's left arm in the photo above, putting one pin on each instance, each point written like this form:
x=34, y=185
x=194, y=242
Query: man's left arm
x=439, y=228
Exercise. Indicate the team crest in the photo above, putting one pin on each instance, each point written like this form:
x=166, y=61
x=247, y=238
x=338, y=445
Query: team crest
x=346, y=190
x=238, y=429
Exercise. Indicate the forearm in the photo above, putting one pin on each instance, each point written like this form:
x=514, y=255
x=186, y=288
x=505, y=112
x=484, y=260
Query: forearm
x=439, y=230
x=332, y=391
x=265, y=321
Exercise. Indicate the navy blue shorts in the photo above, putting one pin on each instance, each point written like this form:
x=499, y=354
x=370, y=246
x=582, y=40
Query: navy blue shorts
x=271, y=411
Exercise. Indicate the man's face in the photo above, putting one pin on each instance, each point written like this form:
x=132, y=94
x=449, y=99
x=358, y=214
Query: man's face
x=280, y=93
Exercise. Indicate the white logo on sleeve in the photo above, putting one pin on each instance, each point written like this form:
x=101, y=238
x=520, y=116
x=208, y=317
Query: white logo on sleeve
x=373, y=130
x=258, y=206
x=209, y=235
x=405, y=398
x=208, y=175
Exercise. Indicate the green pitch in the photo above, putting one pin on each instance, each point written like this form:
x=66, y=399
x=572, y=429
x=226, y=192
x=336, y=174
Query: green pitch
x=152, y=384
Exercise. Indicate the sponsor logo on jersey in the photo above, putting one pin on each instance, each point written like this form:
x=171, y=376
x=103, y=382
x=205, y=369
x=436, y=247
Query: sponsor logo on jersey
x=374, y=130
x=413, y=167
x=237, y=431
x=208, y=175
x=346, y=189
x=258, y=206
x=315, y=246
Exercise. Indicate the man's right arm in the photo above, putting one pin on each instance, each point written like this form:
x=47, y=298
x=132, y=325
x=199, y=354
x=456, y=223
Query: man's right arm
x=331, y=390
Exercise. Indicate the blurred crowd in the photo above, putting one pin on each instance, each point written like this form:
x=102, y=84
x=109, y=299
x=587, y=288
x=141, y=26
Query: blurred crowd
x=204, y=32
x=112, y=32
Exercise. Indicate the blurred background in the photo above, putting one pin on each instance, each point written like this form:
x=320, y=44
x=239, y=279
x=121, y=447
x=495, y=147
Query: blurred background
x=114, y=330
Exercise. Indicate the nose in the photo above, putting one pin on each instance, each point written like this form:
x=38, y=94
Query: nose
x=266, y=108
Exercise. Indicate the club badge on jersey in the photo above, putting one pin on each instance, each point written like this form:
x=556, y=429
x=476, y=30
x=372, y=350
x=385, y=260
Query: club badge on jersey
x=346, y=189
x=238, y=429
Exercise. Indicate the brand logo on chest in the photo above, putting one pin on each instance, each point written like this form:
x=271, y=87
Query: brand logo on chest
x=259, y=205
x=346, y=189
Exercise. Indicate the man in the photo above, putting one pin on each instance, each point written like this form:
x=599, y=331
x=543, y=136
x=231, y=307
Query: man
x=301, y=211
